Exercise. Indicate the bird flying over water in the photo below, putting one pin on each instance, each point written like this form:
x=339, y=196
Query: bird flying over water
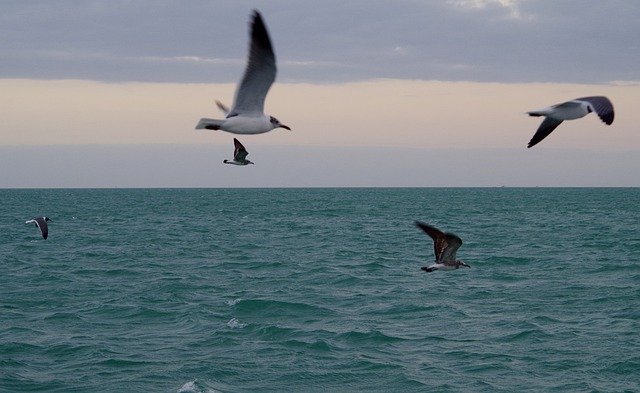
x=239, y=154
x=445, y=246
x=574, y=109
x=41, y=222
x=247, y=114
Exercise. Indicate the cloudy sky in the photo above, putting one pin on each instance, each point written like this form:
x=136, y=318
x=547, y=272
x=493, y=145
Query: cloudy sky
x=101, y=93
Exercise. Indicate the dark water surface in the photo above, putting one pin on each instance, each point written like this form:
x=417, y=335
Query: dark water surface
x=237, y=290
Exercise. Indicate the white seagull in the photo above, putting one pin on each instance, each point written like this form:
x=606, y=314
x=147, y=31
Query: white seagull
x=239, y=154
x=41, y=222
x=445, y=246
x=570, y=110
x=247, y=115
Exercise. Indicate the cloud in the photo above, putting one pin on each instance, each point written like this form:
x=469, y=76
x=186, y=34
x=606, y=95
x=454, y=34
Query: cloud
x=187, y=59
x=336, y=41
x=509, y=5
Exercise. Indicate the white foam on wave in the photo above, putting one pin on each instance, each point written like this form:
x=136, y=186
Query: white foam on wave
x=235, y=324
x=191, y=387
x=233, y=302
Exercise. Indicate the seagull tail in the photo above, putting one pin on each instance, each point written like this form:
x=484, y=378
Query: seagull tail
x=536, y=113
x=428, y=269
x=209, y=124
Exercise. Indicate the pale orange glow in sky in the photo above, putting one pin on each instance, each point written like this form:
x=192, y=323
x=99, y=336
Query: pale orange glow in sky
x=377, y=113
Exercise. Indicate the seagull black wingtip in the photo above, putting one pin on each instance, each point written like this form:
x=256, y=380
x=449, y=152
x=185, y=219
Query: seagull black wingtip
x=259, y=33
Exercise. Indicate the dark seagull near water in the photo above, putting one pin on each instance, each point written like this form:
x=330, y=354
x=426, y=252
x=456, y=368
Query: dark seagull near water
x=239, y=154
x=570, y=110
x=247, y=114
x=445, y=246
x=41, y=222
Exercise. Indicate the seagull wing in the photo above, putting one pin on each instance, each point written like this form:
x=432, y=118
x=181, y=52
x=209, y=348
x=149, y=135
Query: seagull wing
x=439, y=238
x=602, y=106
x=259, y=74
x=240, y=153
x=546, y=127
x=41, y=222
x=453, y=243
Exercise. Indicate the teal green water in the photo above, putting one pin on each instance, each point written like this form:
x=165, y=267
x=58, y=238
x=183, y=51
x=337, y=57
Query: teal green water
x=242, y=290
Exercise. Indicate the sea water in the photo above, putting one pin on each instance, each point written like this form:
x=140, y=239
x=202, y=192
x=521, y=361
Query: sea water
x=272, y=290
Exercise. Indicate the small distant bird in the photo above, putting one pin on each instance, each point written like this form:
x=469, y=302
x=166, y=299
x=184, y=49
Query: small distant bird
x=239, y=154
x=445, y=246
x=41, y=222
x=570, y=110
x=247, y=115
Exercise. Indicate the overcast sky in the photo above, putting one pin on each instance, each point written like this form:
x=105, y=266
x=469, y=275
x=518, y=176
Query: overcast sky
x=421, y=78
x=575, y=41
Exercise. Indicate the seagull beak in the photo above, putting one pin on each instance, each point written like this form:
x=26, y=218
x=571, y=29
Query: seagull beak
x=285, y=127
x=464, y=264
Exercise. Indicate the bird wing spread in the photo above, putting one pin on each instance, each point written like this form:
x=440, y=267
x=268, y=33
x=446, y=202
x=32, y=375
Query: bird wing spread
x=41, y=222
x=602, y=106
x=449, y=252
x=546, y=127
x=240, y=153
x=439, y=240
x=259, y=74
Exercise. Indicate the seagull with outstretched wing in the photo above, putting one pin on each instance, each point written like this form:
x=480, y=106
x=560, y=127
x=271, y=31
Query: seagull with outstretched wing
x=41, y=223
x=239, y=154
x=445, y=246
x=247, y=114
x=570, y=110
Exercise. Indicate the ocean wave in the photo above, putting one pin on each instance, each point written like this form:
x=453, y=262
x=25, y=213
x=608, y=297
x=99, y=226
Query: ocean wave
x=233, y=302
x=262, y=307
x=235, y=324
x=526, y=335
x=369, y=337
x=195, y=387
x=309, y=300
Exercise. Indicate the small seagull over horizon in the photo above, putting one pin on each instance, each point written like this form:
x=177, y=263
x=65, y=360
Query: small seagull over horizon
x=239, y=154
x=570, y=110
x=445, y=246
x=41, y=222
x=247, y=114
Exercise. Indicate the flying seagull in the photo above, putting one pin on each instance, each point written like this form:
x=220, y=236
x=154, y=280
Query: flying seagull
x=445, y=246
x=41, y=222
x=239, y=154
x=570, y=110
x=247, y=114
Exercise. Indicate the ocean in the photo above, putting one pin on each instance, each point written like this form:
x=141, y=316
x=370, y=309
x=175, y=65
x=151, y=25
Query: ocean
x=319, y=289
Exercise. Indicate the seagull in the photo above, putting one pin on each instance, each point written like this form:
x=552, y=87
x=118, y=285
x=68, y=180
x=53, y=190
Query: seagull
x=41, y=222
x=247, y=114
x=239, y=154
x=570, y=110
x=445, y=246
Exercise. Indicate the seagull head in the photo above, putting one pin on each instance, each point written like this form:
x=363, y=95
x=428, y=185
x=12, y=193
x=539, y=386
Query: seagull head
x=460, y=263
x=47, y=219
x=276, y=124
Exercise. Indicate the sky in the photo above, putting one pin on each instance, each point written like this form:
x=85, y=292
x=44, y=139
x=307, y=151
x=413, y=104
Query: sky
x=101, y=93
